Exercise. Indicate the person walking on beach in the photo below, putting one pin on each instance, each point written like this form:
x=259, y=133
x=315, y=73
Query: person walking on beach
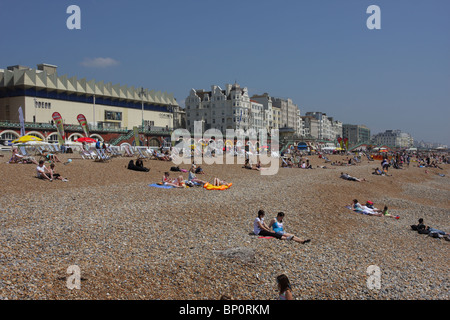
x=284, y=288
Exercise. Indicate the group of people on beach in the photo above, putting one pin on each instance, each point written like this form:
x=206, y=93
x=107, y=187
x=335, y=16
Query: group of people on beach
x=192, y=180
x=370, y=210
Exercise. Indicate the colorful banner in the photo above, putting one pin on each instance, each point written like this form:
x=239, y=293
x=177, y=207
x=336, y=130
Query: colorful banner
x=136, y=137
x=22, y=122
x=340, y=142
x=346, y=143
x=60, y=126
x=83, y=123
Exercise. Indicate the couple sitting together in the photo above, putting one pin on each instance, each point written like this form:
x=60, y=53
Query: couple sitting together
x=260, y=228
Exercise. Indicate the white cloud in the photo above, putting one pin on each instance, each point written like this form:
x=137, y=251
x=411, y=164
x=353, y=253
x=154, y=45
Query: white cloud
x=99, y=62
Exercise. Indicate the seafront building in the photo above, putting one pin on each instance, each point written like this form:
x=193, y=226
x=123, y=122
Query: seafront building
x=107, y=107
x=394, y=139
x=356, y=134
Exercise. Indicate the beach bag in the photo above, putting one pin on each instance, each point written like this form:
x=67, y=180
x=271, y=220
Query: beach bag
x=175, y=169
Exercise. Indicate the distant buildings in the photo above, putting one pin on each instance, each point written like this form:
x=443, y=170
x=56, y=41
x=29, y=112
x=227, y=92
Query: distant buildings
x=356, y=134
x=321, y=127
x=393, y=138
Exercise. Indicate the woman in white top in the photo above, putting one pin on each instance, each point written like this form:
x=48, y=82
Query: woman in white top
x=42, y=172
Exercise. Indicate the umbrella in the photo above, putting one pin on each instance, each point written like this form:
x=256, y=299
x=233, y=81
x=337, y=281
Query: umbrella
x=86, y=139
x=27, y=138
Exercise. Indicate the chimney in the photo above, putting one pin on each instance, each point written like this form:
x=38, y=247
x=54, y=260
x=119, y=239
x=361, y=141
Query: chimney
x=51, y=69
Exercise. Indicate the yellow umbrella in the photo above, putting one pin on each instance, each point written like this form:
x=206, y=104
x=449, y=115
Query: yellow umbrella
x=26, y=139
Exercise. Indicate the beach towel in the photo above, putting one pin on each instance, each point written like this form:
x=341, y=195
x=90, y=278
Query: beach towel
x=160, y=186
x=266, y=237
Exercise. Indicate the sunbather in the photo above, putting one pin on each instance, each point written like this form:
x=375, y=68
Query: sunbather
x=50, y=157
x=178, y=182
x=346, y=176
x=218, y=182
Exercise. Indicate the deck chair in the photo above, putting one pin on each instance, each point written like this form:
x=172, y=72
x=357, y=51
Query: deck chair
x=85, y=154
x=128, y=152
x=149, y=153
x=141, y=154
x=23, y=151
x=102, y=156
x=112, y=151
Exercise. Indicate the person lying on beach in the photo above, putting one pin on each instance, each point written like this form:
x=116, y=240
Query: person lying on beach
x=178, y=182
x=350, y=178
x=357, y=207
x=277, y=226
x=385, y=213
x=218, y=182
x=42, y=172
x=424, y=229
x=55, y=175
x=50, y=157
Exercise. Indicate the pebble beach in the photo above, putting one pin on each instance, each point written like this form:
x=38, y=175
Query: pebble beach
x=133, y=241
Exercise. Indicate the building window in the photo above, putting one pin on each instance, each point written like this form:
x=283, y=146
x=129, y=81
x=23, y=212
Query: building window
x=112, y=115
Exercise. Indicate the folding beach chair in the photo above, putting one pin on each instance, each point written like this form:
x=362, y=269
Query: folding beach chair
x=85, y=154
x=141, y=154
x=102, y=155
x=128, y=152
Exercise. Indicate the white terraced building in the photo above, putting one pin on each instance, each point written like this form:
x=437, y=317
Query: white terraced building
x=40, y=92
x=219, y=109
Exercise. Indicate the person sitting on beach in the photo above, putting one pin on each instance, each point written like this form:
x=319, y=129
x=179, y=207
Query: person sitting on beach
x=18, y=158
x=284, y=288
x=193, y=178
x=260, y=228
x=277, y=226
x=55, y=175
x=42, y=172
x=134, y=167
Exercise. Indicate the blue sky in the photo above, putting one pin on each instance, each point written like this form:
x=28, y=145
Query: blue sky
x=319, y=53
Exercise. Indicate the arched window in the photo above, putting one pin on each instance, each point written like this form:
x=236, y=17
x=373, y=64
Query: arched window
x=154, y=143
